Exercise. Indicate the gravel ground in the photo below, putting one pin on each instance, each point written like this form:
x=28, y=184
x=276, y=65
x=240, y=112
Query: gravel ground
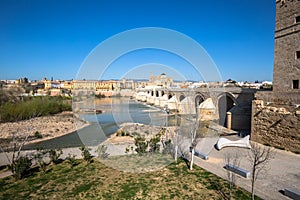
x=47, y=126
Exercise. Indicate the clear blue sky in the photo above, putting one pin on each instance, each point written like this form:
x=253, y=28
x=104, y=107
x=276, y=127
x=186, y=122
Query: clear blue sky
x=52, y=38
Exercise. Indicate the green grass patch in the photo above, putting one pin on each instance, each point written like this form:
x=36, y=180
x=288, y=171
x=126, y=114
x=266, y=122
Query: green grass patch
x=97, y=181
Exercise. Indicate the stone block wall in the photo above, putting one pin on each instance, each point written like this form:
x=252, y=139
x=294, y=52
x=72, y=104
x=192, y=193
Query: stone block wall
x=276, y=126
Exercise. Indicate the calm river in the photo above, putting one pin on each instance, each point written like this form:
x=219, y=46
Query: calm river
x=115, y=112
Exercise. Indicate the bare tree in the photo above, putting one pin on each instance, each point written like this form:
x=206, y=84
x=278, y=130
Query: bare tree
x=231, y=159
x=259, y=157
x=176, y=143
x=176, y=136
x=189, y=129
x=193, y=132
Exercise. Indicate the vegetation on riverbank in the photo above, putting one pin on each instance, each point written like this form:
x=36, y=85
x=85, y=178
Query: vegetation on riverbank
x=33, y=107
x=95, y=180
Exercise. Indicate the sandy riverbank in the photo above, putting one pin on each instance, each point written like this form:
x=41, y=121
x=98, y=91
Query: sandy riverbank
x=48, y=127
x=128, y=131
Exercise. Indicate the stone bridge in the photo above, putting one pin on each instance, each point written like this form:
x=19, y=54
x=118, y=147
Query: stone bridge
x=225, y=101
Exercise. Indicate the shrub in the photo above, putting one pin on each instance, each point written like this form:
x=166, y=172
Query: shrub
x=127, y=149
x=21, y=167
x=32, y=107
x=86, y=154
x=153, y=143
x=54, y=155
x=141, y=145
x=39, y=159
x=120, y=132
x=168, y=147
x=38, y=135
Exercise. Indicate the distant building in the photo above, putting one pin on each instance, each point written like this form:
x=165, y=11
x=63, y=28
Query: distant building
x=105, y=85
x=84, y=85
x=161, y=80
x=125, y=84
x=68, y=85
x=140, y=84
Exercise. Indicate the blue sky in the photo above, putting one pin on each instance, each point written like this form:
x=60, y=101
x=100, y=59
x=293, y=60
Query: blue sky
x=53, y=38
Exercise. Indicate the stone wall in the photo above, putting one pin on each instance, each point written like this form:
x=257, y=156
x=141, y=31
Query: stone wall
x=276, y=126
x=289, y=98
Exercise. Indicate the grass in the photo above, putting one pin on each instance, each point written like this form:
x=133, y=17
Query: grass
x=97, y=181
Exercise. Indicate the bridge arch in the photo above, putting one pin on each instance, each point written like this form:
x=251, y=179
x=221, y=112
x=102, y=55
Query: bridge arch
x=156, y=93
x=199, y=98
x=226, y=101
x=181, y=97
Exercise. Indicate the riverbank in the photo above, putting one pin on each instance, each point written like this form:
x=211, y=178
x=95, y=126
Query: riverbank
x=123, y=139
x=128, y=131
x=40, y=128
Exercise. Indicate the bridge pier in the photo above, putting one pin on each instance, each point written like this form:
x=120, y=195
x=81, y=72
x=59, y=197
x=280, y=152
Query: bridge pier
x=228, y=120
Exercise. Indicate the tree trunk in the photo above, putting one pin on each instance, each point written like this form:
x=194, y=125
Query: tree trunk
x=252, y=190
x=192, y=159
x=230, y=189
x=176, y=150
x=252, y=182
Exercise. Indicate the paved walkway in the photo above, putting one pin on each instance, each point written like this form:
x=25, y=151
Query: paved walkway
x=283, y=172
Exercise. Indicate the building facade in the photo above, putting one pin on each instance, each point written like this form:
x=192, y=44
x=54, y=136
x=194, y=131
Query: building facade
x=161, y=80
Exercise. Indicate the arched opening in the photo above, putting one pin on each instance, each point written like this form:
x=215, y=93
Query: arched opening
x=152, y=93
x=156, y=94
x=198, y=100
x=170, y=96
x=162, y=93
x=181, y=97
x=225, y=103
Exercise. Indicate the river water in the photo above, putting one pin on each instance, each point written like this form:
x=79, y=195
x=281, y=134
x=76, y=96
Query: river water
x=115, y=112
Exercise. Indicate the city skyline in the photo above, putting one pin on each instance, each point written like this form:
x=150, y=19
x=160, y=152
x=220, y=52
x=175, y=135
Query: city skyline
x=52, y=39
